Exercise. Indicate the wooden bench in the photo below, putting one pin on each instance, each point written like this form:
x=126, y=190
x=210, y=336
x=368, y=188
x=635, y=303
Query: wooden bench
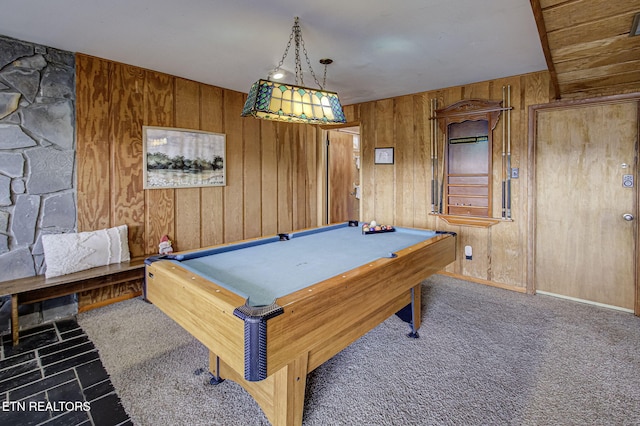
x=38, y=288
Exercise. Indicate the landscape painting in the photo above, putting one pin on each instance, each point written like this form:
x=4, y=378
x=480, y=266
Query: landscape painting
x=182, y=158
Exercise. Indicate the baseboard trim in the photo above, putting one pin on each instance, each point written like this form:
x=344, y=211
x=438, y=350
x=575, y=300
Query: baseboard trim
x=484, y=282
x=588, y=302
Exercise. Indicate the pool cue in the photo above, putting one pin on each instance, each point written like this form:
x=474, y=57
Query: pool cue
x=439, y=176
x=433, y=167
x=504, y=166
x=444, y=150
x=440, y=183
x=509, y=153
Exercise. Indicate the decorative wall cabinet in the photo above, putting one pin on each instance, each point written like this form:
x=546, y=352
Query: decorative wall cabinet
x=463, y=166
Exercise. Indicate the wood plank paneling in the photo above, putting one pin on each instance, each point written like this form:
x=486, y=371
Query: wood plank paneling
x=617, y=47
x=384, y=187
x=299, y=178
x=550, y=3
x=233, y=191
x=480, y=90
x=159, y=99
x=312, y=164
x=269, y=177
x=352, y=113
x=159, y=217
x=587, y=46
x=93, y=96
x=252, y=179
x=422, y=162
x=126, y=120
x=601, y=67
x=159, y=111
x=595, y=84
x=367, y=144
x=187, y=208
x=581, y=12
x=506, y=240
x=404, y=159
x=285, y=180
x=595, y=31
x=211, y=198
x=480, y=241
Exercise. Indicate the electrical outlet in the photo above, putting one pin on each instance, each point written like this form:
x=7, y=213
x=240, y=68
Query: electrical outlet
x=515, y=173
x=468, y=252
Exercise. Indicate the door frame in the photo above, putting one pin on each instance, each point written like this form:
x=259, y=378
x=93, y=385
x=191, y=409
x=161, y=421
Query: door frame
x=531, y=187
x=324, y=211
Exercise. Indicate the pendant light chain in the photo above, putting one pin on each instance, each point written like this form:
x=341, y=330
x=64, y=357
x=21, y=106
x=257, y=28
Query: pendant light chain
x=298, y=40
x=286, y=50
x=296, y=36
x=324, y=79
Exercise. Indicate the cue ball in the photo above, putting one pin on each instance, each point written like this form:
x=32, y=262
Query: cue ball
x=373, y=224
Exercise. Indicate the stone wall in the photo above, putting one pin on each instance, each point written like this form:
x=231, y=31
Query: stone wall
x=37, y=153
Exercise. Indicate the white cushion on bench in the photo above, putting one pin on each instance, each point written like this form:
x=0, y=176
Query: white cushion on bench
x=67, y=253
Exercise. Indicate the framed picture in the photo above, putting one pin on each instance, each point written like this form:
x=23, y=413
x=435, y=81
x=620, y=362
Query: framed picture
x=383, y=156
x=183, y=158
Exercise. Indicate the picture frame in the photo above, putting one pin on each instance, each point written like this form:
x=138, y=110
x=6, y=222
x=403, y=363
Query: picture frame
x=383, y=155
x=182, y=158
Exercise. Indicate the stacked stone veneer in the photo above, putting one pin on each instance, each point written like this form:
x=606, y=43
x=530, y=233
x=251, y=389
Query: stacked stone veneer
x=37, y=153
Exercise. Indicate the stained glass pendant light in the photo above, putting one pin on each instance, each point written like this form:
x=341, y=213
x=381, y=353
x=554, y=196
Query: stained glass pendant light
x=294, y=103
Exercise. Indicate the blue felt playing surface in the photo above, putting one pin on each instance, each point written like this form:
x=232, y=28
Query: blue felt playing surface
x=263, y=272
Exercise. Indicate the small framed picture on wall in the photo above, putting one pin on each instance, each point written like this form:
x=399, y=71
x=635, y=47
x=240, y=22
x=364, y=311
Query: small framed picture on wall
x=383, y=156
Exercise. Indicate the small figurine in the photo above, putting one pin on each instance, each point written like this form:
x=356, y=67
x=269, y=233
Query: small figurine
x=165, y=245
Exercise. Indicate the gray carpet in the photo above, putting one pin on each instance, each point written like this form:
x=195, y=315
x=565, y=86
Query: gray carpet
x=485, y=356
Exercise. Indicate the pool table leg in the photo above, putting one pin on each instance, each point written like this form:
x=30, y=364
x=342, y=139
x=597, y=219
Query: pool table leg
x=280, y=395
x=214, y=370
x=416, y=310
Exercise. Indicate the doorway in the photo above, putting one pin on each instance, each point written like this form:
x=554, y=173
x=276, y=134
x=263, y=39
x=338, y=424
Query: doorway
x=343, y=174
x=585, y=209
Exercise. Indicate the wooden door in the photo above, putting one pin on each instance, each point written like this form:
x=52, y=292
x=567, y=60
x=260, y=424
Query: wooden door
x=343, y=177
x=584, y=248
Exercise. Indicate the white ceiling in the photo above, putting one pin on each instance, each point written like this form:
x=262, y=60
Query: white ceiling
x=380, y=48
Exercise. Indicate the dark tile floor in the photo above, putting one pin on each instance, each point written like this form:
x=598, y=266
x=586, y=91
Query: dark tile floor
x=54, y=377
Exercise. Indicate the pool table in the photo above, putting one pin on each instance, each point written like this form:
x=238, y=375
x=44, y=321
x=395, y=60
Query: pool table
x=272, y=309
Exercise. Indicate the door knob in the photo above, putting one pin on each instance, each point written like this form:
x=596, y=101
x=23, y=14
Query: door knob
x=628, y=216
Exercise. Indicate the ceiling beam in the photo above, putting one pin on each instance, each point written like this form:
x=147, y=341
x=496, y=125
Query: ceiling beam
x=542, y=31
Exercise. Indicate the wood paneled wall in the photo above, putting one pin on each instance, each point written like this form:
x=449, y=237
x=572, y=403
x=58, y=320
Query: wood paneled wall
x=272, y=168
x=400, y=194
x=275, y=171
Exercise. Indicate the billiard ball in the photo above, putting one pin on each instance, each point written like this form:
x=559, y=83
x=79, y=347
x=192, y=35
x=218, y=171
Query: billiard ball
x=373, y=224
